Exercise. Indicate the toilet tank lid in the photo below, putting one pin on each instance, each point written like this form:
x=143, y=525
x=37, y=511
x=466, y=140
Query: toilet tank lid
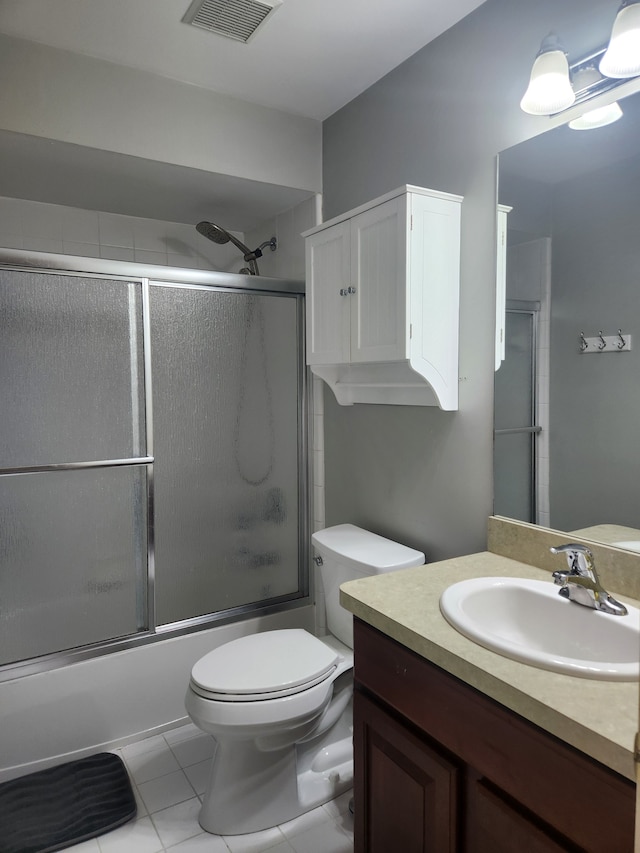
x=363, y=549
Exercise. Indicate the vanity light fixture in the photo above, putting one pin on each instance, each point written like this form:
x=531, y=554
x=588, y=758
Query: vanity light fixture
x=549, y=89
x=622, y=58
x=585, y=79
x=555, y=85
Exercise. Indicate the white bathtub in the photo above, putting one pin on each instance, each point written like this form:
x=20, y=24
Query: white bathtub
x=106, y=702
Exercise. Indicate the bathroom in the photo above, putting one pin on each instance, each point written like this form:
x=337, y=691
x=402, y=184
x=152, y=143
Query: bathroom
x=419, y=475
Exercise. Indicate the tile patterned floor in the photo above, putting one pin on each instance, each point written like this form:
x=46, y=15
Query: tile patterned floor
x=169, y=773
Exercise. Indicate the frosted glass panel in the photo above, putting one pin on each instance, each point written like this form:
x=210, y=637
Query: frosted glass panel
x=514, y=453
x=513, y=466
x=225, y=377
x=72, y=545
x=514, y=379
x=70, y=369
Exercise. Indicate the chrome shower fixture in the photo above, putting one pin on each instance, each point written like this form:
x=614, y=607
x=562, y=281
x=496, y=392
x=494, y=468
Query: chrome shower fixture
x=220, y=235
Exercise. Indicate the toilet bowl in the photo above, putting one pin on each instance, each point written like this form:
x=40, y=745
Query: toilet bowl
x=279, y=703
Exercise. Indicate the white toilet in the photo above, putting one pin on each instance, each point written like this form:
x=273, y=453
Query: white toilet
x=279, y=703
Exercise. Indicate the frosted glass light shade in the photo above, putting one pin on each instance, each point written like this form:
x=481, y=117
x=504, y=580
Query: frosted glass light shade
x=622, y=57
x=549, y=88
x=597, y=118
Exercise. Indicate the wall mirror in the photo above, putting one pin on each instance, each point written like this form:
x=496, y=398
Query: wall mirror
x=567, y=421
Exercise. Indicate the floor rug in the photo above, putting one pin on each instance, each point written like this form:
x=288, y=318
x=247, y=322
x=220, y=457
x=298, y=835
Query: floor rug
x=55, y=808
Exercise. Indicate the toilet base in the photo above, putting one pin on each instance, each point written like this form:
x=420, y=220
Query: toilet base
x=250, y=790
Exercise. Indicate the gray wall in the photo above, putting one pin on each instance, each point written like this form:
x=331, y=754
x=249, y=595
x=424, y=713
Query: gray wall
x=439, y=120
x=595, y=405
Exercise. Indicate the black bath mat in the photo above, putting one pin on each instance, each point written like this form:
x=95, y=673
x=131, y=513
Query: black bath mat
x=64, y=805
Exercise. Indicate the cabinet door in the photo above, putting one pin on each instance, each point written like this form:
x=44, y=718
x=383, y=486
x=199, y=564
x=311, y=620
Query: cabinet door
x=327, y=268
x=405, y=792
x=494, y=824
x=378, y=274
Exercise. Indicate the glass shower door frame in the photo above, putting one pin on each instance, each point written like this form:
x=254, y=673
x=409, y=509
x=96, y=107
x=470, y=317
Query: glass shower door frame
x=145, y=275
x=195, y=623
x=531, y=309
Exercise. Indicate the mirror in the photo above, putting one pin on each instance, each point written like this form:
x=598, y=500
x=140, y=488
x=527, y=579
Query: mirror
x=567, y=422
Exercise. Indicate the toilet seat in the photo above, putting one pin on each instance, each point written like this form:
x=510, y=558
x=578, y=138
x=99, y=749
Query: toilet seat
x=264, y=666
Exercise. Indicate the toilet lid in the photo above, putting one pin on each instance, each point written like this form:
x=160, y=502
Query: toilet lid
x=271, y=662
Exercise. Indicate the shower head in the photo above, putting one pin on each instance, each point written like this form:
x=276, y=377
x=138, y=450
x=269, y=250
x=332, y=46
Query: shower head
x=213, y=232
x=219, y=235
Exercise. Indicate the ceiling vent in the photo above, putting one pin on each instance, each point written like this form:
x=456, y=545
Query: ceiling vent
x=235, y=19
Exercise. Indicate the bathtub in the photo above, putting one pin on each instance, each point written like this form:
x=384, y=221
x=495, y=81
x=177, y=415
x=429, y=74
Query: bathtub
x=106, y=702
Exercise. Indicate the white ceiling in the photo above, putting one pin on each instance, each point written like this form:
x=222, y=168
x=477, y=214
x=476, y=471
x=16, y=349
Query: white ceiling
x=309, y=58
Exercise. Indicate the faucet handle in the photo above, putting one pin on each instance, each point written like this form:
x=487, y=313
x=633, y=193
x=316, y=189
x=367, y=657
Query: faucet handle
x=579, y=558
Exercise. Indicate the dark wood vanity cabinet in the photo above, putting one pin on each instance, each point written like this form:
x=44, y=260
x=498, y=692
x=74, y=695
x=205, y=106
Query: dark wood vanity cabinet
x=440, y=767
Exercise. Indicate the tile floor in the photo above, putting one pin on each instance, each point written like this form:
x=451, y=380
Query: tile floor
x=169, y=773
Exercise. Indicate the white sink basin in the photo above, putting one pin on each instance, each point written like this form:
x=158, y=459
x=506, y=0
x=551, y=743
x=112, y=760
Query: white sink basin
x=528, y=621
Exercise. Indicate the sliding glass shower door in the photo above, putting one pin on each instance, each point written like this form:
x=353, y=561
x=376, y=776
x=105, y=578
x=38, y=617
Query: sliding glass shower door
x=515, y=428
x=72, y=463
x=152, y=458
x=226, y=380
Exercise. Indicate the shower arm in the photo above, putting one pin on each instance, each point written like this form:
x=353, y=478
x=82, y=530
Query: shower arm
x=252, y=257
x=257, y=253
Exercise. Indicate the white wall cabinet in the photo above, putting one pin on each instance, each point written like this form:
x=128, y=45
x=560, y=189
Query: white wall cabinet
x=382, y=300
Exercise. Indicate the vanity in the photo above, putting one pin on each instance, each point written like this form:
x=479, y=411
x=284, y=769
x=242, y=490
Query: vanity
x=458, y=748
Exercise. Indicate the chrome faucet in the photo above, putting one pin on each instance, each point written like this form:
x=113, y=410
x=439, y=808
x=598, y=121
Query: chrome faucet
x=581, y=583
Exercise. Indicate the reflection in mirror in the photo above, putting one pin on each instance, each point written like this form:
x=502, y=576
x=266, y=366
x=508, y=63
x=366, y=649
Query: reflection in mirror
x=567, y=422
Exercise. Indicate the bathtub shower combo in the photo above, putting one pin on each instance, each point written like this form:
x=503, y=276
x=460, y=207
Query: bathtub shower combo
x=152, y=455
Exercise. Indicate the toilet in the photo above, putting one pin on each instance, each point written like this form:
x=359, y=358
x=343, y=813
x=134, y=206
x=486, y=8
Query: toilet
x=279, y=703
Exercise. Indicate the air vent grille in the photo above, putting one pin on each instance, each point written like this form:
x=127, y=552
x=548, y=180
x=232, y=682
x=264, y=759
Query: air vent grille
x=236, y=19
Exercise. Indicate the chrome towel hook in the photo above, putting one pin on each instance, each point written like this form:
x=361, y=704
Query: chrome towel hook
x=602, y=343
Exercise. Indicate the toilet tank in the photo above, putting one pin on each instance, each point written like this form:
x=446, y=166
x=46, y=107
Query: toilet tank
x=349, y=552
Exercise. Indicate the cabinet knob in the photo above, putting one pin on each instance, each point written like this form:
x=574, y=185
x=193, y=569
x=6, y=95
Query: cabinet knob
x=351, y=290
x=344, y=291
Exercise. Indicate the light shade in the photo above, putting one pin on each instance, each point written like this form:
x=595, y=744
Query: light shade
x=599, y=117
x=549, y=88
x=622, y=57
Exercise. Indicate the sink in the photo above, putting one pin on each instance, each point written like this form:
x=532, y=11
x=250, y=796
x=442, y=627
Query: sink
x=528, y=621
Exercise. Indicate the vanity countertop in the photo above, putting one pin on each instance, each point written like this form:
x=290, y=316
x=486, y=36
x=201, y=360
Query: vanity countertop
x=600, y=718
